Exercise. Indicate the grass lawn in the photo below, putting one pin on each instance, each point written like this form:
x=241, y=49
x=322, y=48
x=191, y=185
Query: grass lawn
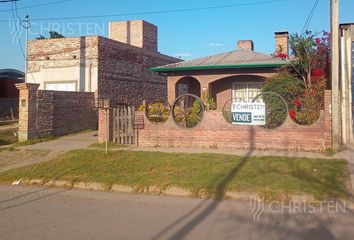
x=7, y=136
x=102, y=146
x=213, y=173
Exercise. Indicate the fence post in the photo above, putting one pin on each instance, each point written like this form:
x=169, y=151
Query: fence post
x=27, y=126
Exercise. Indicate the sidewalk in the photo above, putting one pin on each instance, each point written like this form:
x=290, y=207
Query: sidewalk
x=240, y=152
x=44, y=151
x=65, y=143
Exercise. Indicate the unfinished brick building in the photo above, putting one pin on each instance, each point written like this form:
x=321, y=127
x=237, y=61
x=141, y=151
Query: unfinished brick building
x=116, y=67
x=63, y=73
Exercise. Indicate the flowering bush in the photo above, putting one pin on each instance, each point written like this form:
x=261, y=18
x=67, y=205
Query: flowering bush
x=303, y=81
x=281, y=55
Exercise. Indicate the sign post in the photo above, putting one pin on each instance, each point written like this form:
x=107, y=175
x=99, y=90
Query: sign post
x=104, y=104
x=248, y=113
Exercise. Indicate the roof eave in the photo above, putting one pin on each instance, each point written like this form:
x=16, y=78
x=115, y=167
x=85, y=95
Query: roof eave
x=207, y=67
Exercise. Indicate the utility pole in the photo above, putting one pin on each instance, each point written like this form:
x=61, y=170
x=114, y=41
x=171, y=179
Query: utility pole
x=335, y=73
x=26, y=26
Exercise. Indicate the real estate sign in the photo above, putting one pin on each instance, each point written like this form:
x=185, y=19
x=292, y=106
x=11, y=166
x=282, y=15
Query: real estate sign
x=248, y=113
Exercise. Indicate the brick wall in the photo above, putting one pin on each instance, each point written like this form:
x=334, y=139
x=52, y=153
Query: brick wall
x=282, y=42
x=245, y=44
x=116, y=69
x=215, y=132
x=136, y=33
x=124, y=74
x=54, y=112
x=64, y=60
x=61, y=52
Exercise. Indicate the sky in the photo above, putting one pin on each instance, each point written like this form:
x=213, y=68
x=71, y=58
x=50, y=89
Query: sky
x=187, y=34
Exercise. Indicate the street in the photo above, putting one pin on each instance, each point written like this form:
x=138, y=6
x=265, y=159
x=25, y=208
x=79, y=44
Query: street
x=54, y=213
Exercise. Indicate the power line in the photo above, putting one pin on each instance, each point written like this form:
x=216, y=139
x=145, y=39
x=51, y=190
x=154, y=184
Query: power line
x=21, y=21
x=33, y=6
x=157, y=12
x=309, y=18
x=14, y=13
x=7, y=1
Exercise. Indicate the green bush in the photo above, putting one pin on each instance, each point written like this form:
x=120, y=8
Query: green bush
x=304, y=104
x=188, y=115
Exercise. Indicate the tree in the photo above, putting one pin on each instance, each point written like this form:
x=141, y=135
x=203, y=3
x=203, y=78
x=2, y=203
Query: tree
x=40, y=37
x=310, y=56
x=54, y=34
x=303, y=81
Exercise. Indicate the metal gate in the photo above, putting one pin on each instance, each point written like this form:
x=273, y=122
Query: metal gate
x=124, y=125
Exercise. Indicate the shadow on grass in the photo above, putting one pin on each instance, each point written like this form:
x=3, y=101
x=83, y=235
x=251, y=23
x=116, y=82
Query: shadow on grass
x=190, y=221
x=219, y=195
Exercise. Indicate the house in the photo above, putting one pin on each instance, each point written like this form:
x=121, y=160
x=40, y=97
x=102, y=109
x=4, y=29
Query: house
x=116, y=67
x=8, y=79
x=237, y=74
x=9, y=93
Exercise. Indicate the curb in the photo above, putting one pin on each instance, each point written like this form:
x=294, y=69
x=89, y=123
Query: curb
x=170, y=191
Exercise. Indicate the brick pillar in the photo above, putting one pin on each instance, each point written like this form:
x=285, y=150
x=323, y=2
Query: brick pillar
x=245, y=45
x=171, y=89
x=102, y=123
x=27, y=128
x=328, y=118
x=282, y=42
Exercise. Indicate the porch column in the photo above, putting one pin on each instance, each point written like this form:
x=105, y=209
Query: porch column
x=171, y=89
x=204, y=91
x=27, y=127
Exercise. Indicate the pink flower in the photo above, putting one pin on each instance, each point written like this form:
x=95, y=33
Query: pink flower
x=292, y=114
x=317, y=73
x=297, y=102
x=282, y=55
x=318, y=41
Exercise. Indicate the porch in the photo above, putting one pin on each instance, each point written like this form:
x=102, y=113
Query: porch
x=221, y=88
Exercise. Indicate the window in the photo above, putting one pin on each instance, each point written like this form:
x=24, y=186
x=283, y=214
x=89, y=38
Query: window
x=68, y=86
x=245, y=92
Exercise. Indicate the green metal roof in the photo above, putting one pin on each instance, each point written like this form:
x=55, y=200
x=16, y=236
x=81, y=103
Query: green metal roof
x=240, y=58
x=224, y=66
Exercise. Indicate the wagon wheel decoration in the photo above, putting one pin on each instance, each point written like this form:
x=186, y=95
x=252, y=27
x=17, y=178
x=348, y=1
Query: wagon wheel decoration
x=226, y=110
x=276, y=109
x=157, y=110
x=187, y=110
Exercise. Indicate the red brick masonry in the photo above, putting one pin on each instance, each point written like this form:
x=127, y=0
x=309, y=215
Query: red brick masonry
x=44, y=112
x=215, y=132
